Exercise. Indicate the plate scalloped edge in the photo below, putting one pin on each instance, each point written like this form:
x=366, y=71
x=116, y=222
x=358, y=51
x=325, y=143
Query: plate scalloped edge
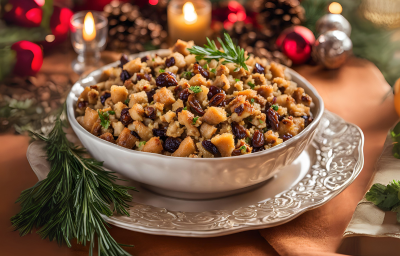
x=339, y=159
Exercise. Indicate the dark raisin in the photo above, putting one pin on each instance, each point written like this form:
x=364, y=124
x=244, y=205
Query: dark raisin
x=124, y=75
x=135, y=134
x=150, y=112
x=282, y=89
x=160, y=133
x=184, y=95
x=169, y=62
x=197, y=69
x=207, y=145
x=287, y=136
x=258, y=139
x=83, y=104
x=236, y=152
x=125, y=117
x=166, y=80
x=239, y=110
x=144, y=59
x=238, y=130
x=150, y=95
x=104, y=97
x=307, y=120
x=195, y=105
x=94, y=87
x=124, y=59
x=212, y=91
x=217, y=99
x=258, y=68
x=273, y=118
x=141, y=76
x=179, y=110
x=172, y=144
x=257, y=149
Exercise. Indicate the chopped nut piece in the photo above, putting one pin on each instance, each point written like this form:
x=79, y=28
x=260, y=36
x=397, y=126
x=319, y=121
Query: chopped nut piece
x=174, y=130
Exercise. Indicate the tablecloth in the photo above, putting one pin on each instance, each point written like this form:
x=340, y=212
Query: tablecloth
x=356, y=92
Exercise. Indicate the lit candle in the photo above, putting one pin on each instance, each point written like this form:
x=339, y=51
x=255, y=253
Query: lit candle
x=189, y=20
x=89, y=31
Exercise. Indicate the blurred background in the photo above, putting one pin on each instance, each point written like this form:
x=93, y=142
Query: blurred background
x=36, y=50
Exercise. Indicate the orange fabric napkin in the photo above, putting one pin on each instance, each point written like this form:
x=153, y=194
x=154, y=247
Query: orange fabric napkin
x=355, y=92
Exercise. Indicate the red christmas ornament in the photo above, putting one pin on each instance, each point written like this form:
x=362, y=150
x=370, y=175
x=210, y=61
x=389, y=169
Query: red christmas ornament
x=29, y=58
x=229, y=13
x=296, y=43
x=24, y=13
x=59, y=25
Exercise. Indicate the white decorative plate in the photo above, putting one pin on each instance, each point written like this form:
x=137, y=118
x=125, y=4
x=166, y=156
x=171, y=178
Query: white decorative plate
x=330, y=164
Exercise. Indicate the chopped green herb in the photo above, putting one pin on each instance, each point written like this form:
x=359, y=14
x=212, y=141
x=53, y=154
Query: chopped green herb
x=187, y=75
x=275, y=107
x=265, y=129
x=237, y=80
x=386, y=197
x=104, y=121
x=395, y=133
x=242, y=147
x=251, y=85
x=228, y=115
x=195, y=89
x=214, y=70
x=111, y=112
x=185, y=108
x=261, y=121
x=161, y=70
x=252, y=101
x=205, y=66
x=142, y=143
x=126, y=102
x=153, y=59
x=247, y=139
x=195, y=120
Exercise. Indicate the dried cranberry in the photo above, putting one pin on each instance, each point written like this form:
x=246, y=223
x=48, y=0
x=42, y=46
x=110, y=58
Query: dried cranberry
x=125, y=117
x=273, y=118
x=83, y=104
x=150, y=112
x=258, y=68
x=239, y=110
x=169, y=62
x=212, y=91
x=172, y=144
x=150, y=95
x=197, y=69
x=184, y=95
x=195, y=105
x=179, y=110
x=135, y=134
x=104, y=97
x=287, y=136
x=124, y=59
x=217, y=99
x=144, y=59
x=141, y=76
x=166, y=80
x=238, y=130
x=207, y=145
x=258, y=139
x=160, y=133
x=236, y=152
x=307, y=120
x=124, y=75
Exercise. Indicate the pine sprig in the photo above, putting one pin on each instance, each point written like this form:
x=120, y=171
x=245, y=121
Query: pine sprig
x=69, y=203
x=230, y=53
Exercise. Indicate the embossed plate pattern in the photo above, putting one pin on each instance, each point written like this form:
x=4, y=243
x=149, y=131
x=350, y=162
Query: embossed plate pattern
x=336, y=158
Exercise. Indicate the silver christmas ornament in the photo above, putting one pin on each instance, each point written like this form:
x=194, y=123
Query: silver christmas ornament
x=332, y=49
x=333, y=22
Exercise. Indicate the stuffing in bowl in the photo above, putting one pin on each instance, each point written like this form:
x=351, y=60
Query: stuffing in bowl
x=188, y=104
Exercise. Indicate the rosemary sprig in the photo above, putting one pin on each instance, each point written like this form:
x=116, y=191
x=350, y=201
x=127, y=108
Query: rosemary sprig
x=230, y=53
x=68, y=204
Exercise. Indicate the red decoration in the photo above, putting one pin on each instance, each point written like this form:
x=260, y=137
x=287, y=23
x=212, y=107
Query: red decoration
x=29, y=58
x=24, y=13
x=296, y=43
x=229, y=13
x=59, y=25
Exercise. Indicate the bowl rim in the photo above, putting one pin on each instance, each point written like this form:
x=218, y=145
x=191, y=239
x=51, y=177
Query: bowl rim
x=75, y=125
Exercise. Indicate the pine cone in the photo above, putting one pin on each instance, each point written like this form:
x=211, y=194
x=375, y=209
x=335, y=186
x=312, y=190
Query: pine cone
x=132, y=30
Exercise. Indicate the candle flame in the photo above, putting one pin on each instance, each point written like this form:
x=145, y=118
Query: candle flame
x=335, y=8
x=189, y=13
x=89, y=31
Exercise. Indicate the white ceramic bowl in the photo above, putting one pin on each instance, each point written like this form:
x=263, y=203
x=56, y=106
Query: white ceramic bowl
x=194, y=178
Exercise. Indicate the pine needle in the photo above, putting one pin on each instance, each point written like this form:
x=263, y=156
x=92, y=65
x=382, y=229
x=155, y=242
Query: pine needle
x=69, y=203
